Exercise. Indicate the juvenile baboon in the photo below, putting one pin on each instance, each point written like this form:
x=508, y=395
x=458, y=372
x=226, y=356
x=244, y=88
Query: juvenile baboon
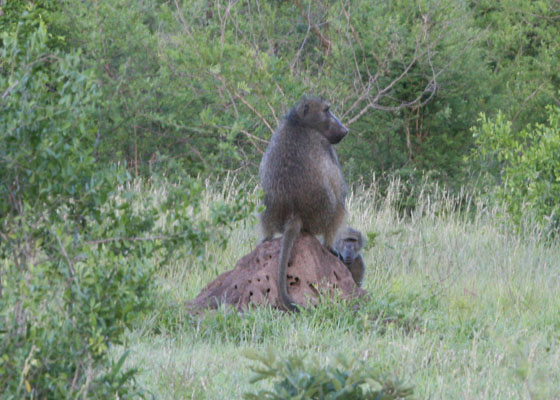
x=304, y=190
x=349, y=242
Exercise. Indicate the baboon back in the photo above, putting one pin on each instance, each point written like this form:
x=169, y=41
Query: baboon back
x=301, y=176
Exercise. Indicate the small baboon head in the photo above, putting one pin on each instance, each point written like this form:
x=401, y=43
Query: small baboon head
x=315, y=113
x=349, y=243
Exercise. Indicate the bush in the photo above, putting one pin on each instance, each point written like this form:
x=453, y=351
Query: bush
x=206, y=88
x=523, y=52
x=526, y=164
x=79, y=245
x=63, y=302
x=297, y=379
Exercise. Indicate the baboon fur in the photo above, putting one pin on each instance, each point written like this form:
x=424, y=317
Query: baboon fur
x=304, y=190
x=349, y=242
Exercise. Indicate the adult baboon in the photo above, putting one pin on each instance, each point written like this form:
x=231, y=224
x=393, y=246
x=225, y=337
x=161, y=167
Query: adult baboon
x=349, y=242
x=302, y=181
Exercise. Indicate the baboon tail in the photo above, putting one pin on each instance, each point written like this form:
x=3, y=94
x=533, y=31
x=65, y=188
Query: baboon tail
x=292, y=230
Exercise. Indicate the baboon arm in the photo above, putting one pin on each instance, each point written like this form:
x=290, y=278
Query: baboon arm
x=357, y=269
x=338, y=221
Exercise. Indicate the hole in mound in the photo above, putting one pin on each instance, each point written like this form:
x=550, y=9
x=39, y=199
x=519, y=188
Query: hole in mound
x=267, y=277
x=313, y=289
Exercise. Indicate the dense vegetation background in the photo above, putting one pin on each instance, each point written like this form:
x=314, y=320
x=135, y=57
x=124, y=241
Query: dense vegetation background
x=103, y=100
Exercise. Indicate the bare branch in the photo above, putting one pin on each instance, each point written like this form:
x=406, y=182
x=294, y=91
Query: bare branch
x=186, y=28
x=324, y=40
x=7, y=92
x=250, y=107
x=247, y=104
x=65, y=254
x=372, y=101
x=300, y=49
x=252, y=139
x=273, y=112
x=127, y=239
x=522, y=107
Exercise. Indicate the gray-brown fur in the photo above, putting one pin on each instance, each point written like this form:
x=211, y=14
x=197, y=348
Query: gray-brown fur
x=349, y=242
x=302, y=181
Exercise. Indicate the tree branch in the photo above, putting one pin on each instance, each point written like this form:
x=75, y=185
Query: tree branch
x=126, y=239
x=324, y=40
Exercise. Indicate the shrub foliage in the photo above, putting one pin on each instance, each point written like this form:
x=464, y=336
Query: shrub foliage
x=295, y=378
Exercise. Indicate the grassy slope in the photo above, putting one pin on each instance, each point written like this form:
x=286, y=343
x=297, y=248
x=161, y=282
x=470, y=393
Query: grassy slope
x=460, y=308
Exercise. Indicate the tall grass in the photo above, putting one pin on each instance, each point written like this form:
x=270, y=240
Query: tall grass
x=462, y=305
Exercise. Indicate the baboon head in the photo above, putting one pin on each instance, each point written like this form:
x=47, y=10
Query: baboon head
x=316, y=114
x=349, y=244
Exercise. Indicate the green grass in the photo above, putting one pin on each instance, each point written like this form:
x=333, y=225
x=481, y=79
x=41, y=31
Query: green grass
x=461, y=305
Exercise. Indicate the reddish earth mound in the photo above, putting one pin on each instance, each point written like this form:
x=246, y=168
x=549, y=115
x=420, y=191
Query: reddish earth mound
x=312, y=270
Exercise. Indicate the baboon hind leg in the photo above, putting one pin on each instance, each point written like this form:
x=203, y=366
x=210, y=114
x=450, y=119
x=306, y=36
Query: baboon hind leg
x=267, y=226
